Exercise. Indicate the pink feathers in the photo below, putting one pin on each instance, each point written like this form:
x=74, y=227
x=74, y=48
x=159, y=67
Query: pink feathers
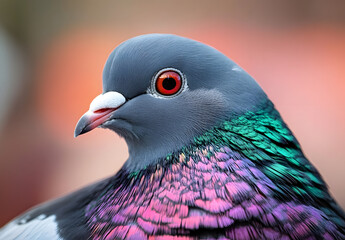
x=218, y=192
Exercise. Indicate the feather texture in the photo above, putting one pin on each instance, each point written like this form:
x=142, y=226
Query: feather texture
x=245, y=179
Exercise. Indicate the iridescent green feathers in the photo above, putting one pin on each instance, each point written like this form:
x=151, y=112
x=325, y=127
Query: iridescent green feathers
x=247, y=178
x=264, y=138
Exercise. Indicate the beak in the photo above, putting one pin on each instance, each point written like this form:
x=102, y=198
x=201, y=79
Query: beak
x=91, y=120
x=101, y=109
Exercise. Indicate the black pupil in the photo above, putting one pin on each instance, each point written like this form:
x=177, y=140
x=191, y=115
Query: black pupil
x=169, y=83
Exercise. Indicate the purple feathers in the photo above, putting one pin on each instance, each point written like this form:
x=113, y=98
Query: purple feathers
x=208, y=194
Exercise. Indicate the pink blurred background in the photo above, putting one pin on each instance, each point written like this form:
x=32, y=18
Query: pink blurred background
x=52, y=55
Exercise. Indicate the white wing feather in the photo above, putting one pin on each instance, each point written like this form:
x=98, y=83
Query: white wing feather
x=39, y=228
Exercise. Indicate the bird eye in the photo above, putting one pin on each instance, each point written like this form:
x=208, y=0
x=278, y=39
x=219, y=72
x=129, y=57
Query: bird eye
x=168, y=82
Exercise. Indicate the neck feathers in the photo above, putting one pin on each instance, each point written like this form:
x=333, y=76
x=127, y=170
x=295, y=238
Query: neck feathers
x=251, y=161
x=261, y=137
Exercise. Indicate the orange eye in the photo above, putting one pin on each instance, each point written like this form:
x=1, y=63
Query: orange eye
x=168, y=83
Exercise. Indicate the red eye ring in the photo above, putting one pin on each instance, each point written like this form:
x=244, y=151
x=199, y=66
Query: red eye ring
x=168, y=82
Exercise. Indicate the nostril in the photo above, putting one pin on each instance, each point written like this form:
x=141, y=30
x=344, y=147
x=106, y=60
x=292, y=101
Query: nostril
x=102, y=110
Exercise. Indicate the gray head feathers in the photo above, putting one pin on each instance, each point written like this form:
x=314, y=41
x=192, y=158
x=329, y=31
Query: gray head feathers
x=216, y=88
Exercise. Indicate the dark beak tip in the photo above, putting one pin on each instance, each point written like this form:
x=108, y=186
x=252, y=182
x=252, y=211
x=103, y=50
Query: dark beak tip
x=82, y=126
x=80, y=129
x=77, y=132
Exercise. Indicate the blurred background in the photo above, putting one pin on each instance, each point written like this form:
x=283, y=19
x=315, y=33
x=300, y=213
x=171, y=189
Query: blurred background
x=51, y=59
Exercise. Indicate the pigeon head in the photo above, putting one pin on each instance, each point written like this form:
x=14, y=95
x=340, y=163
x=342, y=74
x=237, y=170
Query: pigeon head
x=160, y=91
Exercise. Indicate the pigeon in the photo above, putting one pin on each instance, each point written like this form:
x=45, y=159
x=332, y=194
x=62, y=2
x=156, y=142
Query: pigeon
x=209, y=157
